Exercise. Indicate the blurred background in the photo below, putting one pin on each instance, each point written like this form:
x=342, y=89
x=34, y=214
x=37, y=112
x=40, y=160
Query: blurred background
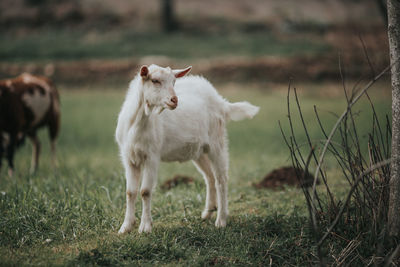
x=86, y=41
x=250, y=50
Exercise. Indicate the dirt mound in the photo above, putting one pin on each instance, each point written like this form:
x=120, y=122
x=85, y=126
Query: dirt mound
x=175, y=181
x=285, y=176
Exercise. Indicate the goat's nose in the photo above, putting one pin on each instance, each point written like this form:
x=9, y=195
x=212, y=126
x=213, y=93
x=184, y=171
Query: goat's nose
x=174, y=100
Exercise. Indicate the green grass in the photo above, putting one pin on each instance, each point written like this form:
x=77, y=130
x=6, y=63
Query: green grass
x=78, y=45
x=71, y=216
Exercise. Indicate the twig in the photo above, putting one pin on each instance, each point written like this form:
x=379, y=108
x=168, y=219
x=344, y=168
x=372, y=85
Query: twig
x=392, y=256
x=336, y=153
x=322, y=156
x=310, y=144
x=311, y=208
x=369, y=170
x=290, y=118
x=377, y=122
x=366, y=55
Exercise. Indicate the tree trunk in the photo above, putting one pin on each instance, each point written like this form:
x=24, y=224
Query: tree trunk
x=383, y=10
x=393, y=7
x=168, y=19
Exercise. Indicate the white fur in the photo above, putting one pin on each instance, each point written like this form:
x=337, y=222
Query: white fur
x=148, y=132
x=28, y=78
x=38, y=103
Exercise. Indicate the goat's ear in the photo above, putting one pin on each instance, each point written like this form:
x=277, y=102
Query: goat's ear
x=181, y=73
x=144, y=72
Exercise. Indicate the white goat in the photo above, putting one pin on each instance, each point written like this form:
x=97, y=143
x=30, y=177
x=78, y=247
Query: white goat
x=193, y=130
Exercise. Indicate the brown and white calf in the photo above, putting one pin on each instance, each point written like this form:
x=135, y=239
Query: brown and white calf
x=27, y=103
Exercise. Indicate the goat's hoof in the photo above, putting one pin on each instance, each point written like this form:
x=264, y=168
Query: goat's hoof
x=126, y=228
x=145, y=227
x=206, y=214
x=220, y=223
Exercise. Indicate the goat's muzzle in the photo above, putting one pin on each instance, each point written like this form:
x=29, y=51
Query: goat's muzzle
x=173, y=103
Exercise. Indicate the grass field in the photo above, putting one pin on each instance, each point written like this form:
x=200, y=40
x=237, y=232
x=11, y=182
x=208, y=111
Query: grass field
x=71, y=216
x=125, y=43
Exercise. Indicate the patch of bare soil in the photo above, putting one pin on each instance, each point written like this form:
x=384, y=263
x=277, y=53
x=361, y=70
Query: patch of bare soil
x=175, y=181
x=278, y=178
x=265, y=69
x=219, y=260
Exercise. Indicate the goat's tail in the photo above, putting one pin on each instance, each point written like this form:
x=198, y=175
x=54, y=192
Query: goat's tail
x=241, y=110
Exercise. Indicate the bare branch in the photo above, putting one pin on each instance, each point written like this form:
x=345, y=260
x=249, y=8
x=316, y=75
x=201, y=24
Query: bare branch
x=359, y=178
x=322, y=156
x=367, y=56
x=392, y=256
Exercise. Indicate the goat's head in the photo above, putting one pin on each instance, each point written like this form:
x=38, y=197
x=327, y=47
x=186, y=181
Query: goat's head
x=158, y=84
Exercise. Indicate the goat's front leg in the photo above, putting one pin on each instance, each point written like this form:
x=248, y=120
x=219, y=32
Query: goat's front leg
x=132, y=174
x=149, y=181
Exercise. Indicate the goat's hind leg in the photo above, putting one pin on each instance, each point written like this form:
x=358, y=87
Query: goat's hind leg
x=132, y=174
x=203, y=165
x=219, y=160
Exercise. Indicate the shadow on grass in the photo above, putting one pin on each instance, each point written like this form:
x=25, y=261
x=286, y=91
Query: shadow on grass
x=275, y=239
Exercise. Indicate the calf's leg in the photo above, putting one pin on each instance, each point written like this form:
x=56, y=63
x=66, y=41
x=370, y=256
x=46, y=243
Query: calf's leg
x=54, y=128
x=10, y=155
x=1, y=153
x=35, y=152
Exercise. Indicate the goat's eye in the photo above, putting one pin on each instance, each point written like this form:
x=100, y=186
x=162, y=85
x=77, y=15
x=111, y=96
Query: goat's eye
x=155, y=81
